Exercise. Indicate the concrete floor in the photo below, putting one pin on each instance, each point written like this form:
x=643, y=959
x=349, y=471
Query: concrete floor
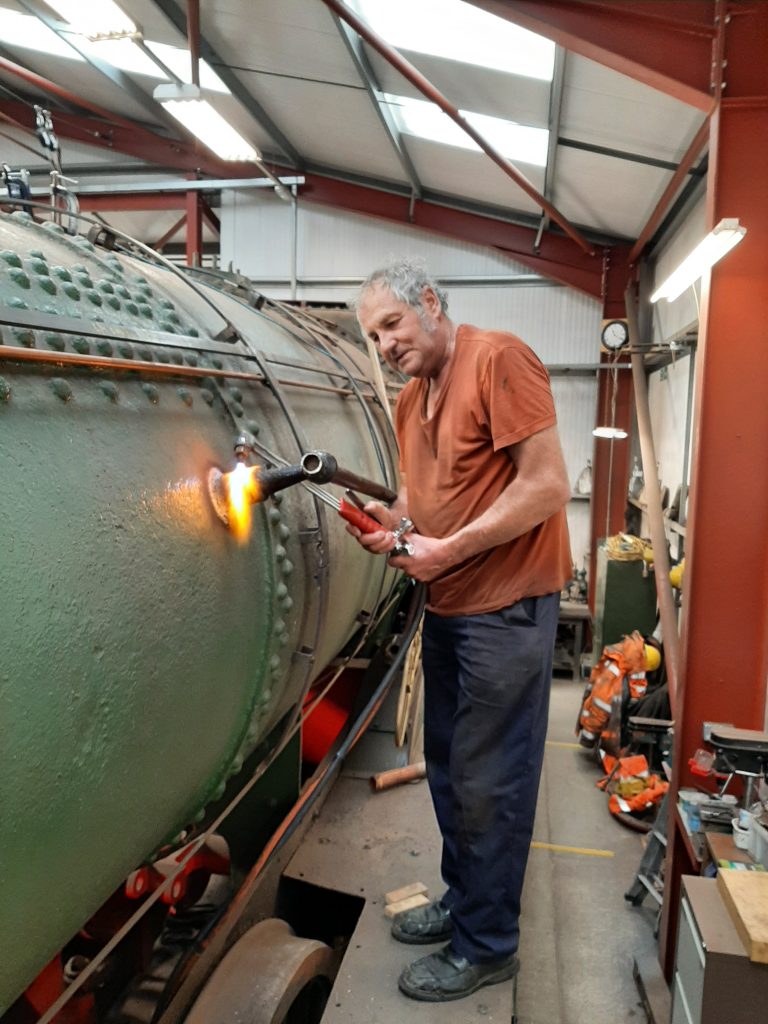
x=579, y=937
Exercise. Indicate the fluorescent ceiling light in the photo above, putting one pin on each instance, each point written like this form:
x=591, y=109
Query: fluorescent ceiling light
x=94, y=18
x=718, y=242
x=197, y=115
x=425, y=119
x=177, y=59
x=29, y=33
x=458, y=31
x=613, y=433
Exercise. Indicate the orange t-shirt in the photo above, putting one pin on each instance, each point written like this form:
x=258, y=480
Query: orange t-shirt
x=456, y=464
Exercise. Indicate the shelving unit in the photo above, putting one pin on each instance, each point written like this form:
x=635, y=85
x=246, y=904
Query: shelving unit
x=670, y=523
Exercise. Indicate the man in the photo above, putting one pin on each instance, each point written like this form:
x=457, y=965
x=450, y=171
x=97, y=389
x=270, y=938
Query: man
x=484, y=482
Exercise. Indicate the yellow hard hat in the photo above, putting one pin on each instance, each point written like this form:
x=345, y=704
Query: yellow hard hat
x=652, y=658
x=676, y=575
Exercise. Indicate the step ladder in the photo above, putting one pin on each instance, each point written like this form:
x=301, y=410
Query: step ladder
x=648, y=880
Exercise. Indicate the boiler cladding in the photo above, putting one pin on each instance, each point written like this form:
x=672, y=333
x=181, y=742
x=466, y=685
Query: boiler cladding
x=147, y=651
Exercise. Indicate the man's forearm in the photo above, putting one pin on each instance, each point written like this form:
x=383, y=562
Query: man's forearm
x=518, y=509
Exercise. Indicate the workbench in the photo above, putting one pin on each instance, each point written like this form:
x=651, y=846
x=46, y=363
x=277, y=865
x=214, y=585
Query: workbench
x=573, y=615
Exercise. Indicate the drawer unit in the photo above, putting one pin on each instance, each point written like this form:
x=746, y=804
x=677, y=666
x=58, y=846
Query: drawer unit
x=714, y=980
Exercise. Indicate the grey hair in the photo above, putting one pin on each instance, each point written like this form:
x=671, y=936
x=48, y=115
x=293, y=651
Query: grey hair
x=406, y=279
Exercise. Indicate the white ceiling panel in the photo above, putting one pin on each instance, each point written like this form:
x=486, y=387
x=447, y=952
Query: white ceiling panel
x=296, y=38
x=468, y=87
x=153, y=22
x=606, y=108
x=81, y=79
x=333, y=126
x=472, y=175
x=614, y=196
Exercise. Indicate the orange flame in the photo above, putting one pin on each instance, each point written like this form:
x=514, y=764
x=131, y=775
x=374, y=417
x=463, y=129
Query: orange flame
x=242, y=491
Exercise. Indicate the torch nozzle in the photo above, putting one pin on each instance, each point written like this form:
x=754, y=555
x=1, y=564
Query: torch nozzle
x=243, y=447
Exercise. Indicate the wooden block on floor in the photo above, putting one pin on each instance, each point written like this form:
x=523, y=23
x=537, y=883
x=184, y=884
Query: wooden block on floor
x=414, y=889
x=392, y=909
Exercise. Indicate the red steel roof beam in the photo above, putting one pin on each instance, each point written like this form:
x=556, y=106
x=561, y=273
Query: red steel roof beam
x=130, y=202
x=666, y=44
x=557, y=259
x=56, y=90
x=699, y=141
x=415, y=77
x=163, y=241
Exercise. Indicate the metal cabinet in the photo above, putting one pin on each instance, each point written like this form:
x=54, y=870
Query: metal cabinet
x=714, y=980
x=625, y=599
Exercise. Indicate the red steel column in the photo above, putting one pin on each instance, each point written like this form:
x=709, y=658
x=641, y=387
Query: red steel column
x=194, y=228
x=724, y=643
x=610, y=459
x=610, y=463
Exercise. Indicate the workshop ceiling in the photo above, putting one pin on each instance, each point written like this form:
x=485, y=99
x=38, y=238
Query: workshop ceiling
x=298, y=95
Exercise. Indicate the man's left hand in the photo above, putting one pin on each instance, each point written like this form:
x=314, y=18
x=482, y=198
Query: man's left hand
x=429, y=560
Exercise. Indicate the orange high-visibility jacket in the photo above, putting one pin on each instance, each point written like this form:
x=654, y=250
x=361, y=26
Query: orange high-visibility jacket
x=625, y=660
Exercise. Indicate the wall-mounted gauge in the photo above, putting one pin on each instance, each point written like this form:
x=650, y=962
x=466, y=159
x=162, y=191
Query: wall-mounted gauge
x=614, y=334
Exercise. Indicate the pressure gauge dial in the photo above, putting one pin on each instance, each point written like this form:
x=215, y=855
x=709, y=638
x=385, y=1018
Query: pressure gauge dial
x=614, y=335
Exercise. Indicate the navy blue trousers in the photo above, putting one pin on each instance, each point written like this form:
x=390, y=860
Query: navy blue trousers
x=486, y=700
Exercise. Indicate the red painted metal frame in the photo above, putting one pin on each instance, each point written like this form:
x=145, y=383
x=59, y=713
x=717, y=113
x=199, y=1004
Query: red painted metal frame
x=558, y=257
x=666, y=44
x=699, y=141
x=724, y=651
x=194, y=206
x=128, y=202
x=165, y=238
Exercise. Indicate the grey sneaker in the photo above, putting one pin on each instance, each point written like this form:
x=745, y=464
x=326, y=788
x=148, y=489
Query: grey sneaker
x=422, y=925
x=445, y=975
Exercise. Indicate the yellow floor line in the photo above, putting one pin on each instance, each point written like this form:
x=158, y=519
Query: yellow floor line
x=559, y=743
x=582, y=851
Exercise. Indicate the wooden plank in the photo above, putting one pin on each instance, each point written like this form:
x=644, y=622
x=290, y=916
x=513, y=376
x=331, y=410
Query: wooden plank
x=414, y=889
x=745, y=894
x=393, y=909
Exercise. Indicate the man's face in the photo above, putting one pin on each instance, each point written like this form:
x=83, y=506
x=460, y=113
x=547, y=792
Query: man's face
x=409, y=339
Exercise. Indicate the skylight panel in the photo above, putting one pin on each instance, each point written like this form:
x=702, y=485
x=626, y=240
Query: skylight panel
x=427, y=121
x=122, y=54
x=178, y=61
x=461, y=32
x=94, y=17
x=30, y=33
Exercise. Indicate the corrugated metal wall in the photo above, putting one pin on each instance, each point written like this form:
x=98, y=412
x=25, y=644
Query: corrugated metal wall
x=335, y=250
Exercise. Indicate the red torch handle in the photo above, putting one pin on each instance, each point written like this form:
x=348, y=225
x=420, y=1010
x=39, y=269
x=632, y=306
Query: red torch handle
x=364, y=522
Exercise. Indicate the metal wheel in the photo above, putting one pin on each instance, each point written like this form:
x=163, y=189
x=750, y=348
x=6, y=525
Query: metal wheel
x=411, y=682
x=270, y=976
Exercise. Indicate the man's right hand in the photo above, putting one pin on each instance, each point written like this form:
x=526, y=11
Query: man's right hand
x=382, y=541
